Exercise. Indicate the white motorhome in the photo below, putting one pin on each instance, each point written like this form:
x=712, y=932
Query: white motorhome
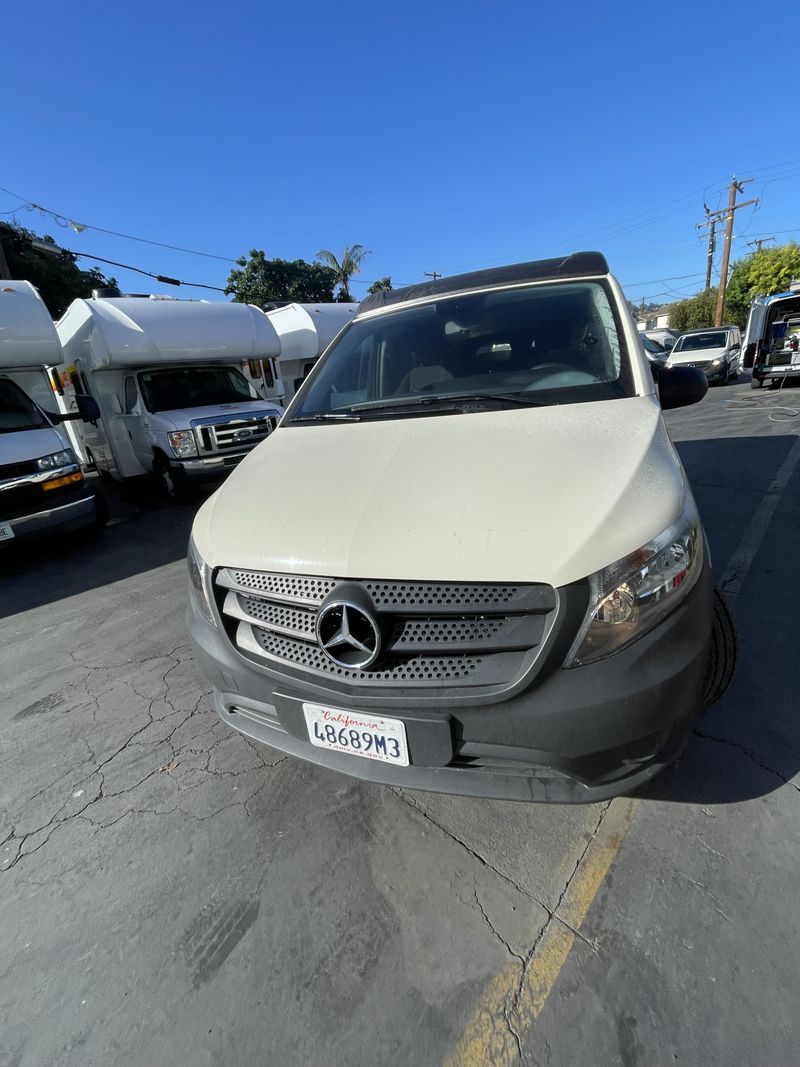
x=42, y=487
x=304, y=331
x=166, y=376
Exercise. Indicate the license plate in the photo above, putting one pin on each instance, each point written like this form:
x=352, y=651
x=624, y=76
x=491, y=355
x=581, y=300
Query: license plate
x=371, y=736
x=6, y=533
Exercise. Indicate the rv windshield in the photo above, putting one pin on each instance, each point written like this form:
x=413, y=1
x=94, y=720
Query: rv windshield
x=192, y=387
x=17, y=410
x=521, y=347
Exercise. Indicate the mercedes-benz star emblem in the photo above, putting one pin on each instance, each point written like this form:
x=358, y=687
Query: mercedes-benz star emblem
x=348, y=635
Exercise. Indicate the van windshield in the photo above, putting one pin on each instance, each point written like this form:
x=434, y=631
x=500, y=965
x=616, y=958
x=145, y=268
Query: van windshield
x=540, y=345
x=17, y=410
x=192, y=387
x=694, y=342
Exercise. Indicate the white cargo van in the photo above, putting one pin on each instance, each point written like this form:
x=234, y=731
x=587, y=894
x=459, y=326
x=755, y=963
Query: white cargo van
x=42, y=488
x=488, y=574
x=166, y=376
x=304, y=331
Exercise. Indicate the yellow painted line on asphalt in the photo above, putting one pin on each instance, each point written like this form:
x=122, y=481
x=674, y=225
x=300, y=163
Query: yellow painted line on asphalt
x=487, y=1039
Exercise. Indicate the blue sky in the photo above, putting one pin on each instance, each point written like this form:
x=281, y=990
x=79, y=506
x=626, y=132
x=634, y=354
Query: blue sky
x=443, y=136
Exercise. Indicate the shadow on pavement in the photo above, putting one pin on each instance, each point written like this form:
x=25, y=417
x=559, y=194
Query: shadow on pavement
x=143, y=532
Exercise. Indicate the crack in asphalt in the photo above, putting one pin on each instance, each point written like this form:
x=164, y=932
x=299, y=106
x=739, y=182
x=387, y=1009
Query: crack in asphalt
x=554, y=916
x=179, y=754
x=551, y=912
x=758, y=760
x=491, y=925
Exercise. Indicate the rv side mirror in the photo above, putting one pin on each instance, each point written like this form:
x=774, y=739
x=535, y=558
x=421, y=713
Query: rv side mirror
x=87, y=408
x=680, y=386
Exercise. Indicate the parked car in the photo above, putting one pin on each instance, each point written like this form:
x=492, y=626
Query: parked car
x=487, y=574
x=42, y=487
x=664, y=337
x=717, y=351
x=655, y=352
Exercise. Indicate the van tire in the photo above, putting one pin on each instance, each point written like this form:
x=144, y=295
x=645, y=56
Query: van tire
x=174, y=484
x=755, y=383
x=723, y=655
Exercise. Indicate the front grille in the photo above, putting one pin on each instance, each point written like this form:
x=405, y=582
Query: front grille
x=18, y=470
x=233, y=434
x=433, y=633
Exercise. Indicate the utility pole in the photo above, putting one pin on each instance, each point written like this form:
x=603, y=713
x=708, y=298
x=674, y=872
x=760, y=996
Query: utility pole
x=759, y=241
x=735, y=187
x=432, y=274
x=712, y=244
x=712, y=220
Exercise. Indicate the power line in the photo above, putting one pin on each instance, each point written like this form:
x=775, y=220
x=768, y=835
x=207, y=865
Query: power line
x=79, y=227
x=42, y=246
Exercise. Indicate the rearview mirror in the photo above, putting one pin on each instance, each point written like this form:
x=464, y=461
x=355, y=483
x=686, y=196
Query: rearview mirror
x=680, y=386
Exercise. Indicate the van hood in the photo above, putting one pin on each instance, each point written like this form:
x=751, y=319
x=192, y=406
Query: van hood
x=21, y=445
x=533, y=494
x=183, y=418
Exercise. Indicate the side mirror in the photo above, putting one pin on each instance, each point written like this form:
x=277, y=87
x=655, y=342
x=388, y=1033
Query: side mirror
x=88, y=408
x=680, y=386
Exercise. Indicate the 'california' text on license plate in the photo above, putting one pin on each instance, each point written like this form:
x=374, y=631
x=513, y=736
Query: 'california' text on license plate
x=357, y=734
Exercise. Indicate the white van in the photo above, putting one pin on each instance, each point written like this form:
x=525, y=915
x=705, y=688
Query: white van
x=42, y=488
x=488, y=575
x=166, y=376
x=304, y=332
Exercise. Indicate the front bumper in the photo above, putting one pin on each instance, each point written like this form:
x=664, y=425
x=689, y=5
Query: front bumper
x=209, y=466
x=774, y=371
x=718, y=374
x=60, y=518
x=578, y=735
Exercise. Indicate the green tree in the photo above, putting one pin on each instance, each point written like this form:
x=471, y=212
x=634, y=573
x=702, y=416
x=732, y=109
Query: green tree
x=381, y=285
x=55, y=274
x=695, y=312
x=344, y=270
x=761, y=274
x=260, y=281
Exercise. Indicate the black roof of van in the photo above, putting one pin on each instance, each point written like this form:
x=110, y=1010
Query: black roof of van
x=577, y=265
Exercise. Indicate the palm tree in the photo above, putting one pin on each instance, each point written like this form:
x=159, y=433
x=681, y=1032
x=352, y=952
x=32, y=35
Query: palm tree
x=350, y=264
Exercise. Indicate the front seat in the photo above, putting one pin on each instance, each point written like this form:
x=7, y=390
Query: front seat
x=418, y=378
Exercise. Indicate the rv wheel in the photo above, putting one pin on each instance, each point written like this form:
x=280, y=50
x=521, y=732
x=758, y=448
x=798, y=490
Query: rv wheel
x=173, y=482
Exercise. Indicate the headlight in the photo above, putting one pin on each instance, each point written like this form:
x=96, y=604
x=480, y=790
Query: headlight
x=634, y=594
x=64, y=458
x=718, y=362
x=182, y=443
x=199, y=579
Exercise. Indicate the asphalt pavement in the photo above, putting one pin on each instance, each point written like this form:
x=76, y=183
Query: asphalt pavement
x=172, y=894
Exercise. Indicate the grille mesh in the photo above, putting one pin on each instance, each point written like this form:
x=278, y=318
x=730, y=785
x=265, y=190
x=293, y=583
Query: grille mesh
x=418, y=669
x=446, y=631
x=396, y=595
x=293, y=586
x=280, y=615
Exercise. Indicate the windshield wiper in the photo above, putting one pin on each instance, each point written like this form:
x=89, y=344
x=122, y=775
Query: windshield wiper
x=322, y=416
x=448, y=400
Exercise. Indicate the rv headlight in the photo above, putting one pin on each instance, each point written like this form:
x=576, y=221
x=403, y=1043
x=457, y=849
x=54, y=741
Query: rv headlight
x=182, y=443
x=199, y=584
x=64, y=458
x=634, y=594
